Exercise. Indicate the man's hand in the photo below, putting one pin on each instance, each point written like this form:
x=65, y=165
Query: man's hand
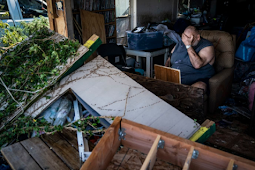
x=187, y=40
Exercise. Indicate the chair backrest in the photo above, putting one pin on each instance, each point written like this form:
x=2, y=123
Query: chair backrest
x=116, y=53
x=224, y=45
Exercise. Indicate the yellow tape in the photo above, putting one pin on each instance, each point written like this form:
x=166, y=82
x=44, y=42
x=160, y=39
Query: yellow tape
x=198, y=134
x=89, y=43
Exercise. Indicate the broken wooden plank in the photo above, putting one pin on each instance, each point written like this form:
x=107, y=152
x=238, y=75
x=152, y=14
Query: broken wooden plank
x=63, y=149
x=42, y=154
x=18, y=158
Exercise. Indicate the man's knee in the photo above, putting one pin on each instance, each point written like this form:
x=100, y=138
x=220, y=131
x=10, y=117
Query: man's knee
x=200, y=85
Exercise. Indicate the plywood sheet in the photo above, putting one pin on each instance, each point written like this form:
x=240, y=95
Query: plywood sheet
x=112, y=93
x=92, y=23
x=167, y=74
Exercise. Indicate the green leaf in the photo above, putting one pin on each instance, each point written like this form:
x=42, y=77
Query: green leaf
x=47, y=97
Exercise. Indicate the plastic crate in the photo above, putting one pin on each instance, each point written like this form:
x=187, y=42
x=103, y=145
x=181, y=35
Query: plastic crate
x=145, y=41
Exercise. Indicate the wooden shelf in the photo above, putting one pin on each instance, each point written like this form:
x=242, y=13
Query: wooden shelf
x=76, y=12
x=111, y=37
x=103, y=10
x=109, y=23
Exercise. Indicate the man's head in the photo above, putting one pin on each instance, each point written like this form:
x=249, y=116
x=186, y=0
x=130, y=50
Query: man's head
x=191, y=30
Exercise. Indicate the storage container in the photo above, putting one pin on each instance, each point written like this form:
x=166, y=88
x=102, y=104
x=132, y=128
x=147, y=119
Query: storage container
x=145, y=41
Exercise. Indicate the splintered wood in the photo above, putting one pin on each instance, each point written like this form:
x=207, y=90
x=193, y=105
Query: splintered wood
x=129, y=159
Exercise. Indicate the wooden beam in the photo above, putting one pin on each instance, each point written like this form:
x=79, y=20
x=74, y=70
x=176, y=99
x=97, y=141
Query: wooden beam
x=69, y=19
x=188, y=159
x=50, y=14
x=60, y=23
x=140, y=137
x=152, y=155
x=230, y=164
x=105, y=149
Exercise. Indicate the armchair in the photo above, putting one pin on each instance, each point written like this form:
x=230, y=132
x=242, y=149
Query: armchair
x=220, y=84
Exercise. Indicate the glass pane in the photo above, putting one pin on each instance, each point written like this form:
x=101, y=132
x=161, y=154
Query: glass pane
x=122, y=8
x=122, y=26
x=4, y=11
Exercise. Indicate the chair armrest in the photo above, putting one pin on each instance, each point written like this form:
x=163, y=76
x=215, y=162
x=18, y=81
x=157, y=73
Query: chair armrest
x=221, y=76
x=220, y=88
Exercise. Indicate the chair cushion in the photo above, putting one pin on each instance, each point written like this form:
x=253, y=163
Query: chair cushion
x=224, y=48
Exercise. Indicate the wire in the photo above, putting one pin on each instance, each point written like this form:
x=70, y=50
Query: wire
x=20, y=105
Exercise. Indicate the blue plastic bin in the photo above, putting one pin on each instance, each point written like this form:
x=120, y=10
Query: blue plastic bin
x=145, y=41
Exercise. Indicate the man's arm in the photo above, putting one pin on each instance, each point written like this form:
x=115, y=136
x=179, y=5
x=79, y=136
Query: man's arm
x=205, y=56
x=168, y=61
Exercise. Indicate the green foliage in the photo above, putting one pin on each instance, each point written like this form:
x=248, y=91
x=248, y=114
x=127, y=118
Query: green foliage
x=13, y=35
x=35, y=25
x=23, y=125
x=31, y=66
x=27, y=125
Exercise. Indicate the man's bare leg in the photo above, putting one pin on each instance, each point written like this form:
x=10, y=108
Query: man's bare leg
x=200, y=85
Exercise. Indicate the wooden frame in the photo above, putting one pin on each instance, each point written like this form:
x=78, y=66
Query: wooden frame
x=176, y=150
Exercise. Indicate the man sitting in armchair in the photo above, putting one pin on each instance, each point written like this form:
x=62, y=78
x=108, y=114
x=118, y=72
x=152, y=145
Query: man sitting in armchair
x=194, y=57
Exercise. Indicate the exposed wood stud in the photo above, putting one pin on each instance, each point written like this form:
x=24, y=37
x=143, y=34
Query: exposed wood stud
x=151, y=157
x=188, y=159
x=231, y=165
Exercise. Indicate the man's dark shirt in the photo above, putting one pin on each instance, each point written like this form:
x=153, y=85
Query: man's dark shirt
x=180, y=60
